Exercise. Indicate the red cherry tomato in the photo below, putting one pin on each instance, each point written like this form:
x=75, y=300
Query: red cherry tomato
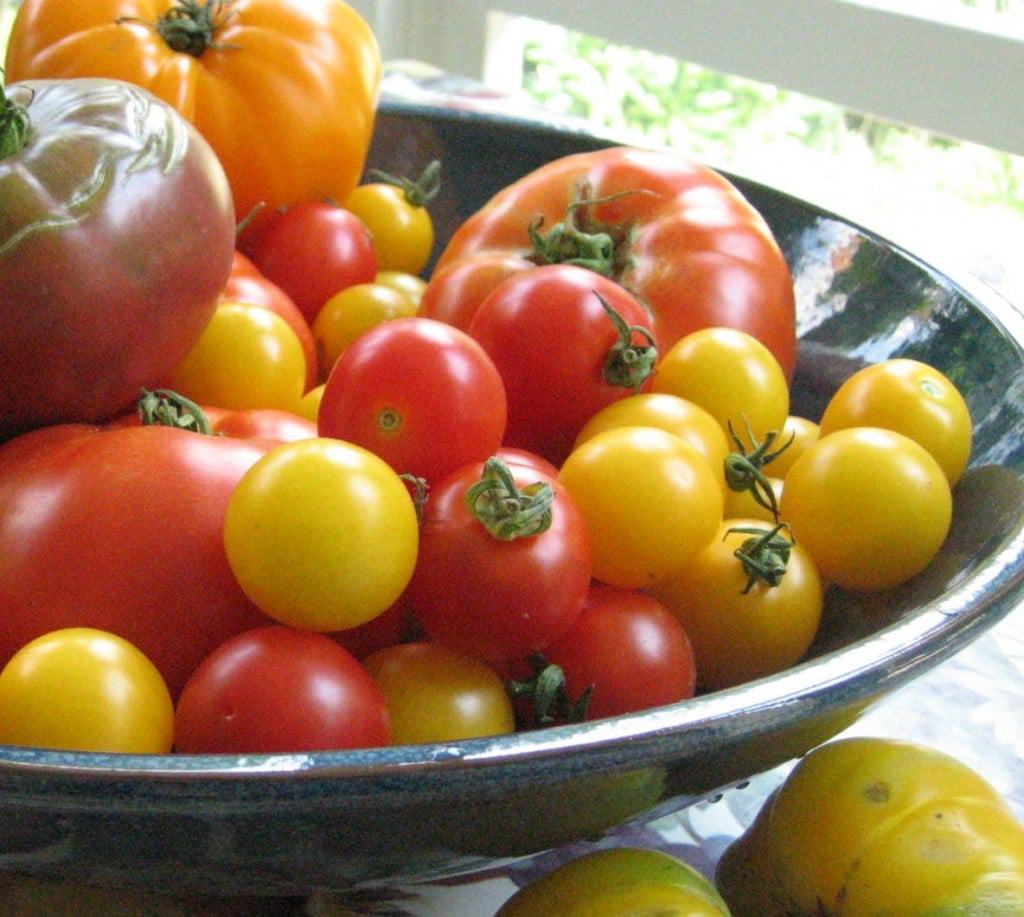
x=565, y=342
x=630, y=648
x=422, y=395
x=279, y=689
x=312, y=250
x=498, y=597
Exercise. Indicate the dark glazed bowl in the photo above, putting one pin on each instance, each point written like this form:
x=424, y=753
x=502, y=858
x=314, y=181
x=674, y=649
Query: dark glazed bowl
x=286, y=824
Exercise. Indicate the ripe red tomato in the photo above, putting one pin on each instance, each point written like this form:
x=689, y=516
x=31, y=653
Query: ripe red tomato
x=111, y=259
x=567, y=343
x=499, y=597
x=247, y=284
x=121, y=530
x=675, y=233
x=279, y=689
x=311, y=250
x=422, y=395
x=267, y=424
x=455, y=292
x=630, y=648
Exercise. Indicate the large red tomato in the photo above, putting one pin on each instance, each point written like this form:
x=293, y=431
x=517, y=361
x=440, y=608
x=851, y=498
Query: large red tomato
x=675, y=233
x=122, y=530
x=116, y=234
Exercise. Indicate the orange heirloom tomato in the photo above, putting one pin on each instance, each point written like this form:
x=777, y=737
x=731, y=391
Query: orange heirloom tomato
x=285, y=91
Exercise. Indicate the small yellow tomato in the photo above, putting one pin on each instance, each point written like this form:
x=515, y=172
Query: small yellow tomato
x=353, y=311
x=870, y=505
x=248, y=357
x=309, y=405
x=911, y=398
x=395, y=212
x=730, y=374
x=412, y=285
x=800, y=434
x=321, y=534
x=618, y=882
x=741, y=504
x=84, y=689
x=436, y=694
x=685, y=419
x=743, y=629
x=650, y=499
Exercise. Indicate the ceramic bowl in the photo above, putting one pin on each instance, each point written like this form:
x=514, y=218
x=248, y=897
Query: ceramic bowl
x=284, y=824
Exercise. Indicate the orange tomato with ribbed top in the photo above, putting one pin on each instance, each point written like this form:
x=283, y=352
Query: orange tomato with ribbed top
x=285, y=91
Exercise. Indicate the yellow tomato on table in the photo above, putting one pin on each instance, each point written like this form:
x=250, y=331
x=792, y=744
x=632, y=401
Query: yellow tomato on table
x=865, y=826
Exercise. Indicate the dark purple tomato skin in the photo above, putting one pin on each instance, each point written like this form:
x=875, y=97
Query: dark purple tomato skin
x=117, y=233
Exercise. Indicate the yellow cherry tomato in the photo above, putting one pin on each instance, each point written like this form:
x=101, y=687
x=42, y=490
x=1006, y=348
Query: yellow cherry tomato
x=730, y=374
x=321, y=534
x=685, y=419
x=356, y=309
x=396, y=214
x=650, y=499
x=741, y=504
x=743, y=628
x=412, y=285
x=84, y=689
x=248, y=357
x=619, y=882
x=867, y=826
x=309, y=405
x=800, y=434
x=911, y=398
x=435, y=694
x=870, y=505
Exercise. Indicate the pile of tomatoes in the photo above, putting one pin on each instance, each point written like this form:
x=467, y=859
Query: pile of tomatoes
x=360, y=524
x=557, y=479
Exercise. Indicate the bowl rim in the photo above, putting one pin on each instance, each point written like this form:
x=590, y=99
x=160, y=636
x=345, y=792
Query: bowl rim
x=870, y=666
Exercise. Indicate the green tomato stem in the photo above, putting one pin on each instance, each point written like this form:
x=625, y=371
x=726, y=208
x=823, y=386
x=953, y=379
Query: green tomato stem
x=506, y=510
x=165, y=408
x=628, y=364
x=765, y=556
x=15, y=126
x=418, y=191
x=192, y=26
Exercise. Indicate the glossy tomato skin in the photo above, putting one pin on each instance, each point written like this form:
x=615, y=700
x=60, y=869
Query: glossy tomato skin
x=455, y=291
x=693, y=248
x=630, y=648
x=266, y=424
x=551, y=338
x=403, y=231
x=618, y=882
x=279, y=689
x=491, y=598
x=422, y=395
x=116, y=235
x=868, y=825
x=247, y=284
x=286, y=97
x=87, y=690
x=130, y=542
x=436, y=694
x=312, y=250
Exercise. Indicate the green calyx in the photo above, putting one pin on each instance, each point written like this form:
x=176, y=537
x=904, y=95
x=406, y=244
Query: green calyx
x=14, y=125
x=628, y=364
x=546, y=691
x=191, y=26
x=744, y=469
x=418, y=191
x=506, y=510
x=581, y=239
x=165, y=408
x=764, y=556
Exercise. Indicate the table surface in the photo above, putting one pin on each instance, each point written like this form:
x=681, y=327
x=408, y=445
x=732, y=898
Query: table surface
x=968, y=706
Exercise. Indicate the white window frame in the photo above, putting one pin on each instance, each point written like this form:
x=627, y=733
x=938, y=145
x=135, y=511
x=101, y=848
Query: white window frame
x=950, y=76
